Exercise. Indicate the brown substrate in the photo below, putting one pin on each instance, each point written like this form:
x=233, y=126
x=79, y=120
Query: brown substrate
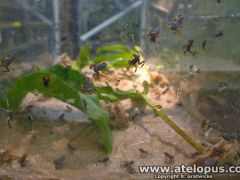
x=139, y=138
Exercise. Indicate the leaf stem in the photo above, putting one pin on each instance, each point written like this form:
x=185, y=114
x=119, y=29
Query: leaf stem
x=199, y=147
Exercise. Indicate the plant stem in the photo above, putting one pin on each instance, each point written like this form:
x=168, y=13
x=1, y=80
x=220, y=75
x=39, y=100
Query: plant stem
x=199, y=147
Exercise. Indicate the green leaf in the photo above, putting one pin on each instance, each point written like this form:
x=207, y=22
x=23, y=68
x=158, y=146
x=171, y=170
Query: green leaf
x=94, y=111
x=64, y=85
x=115, y=48
x=120, y=63
x=116, y=55
x=137, y=48
x=83, y=57
x=100, y=118
x=113, y=57
x=72, y=77
x=109, y=94
x=70, y=101
x=33, y=82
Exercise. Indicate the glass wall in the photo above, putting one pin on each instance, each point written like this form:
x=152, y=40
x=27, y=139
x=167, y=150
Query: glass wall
x=206, y=76
x=26, y=29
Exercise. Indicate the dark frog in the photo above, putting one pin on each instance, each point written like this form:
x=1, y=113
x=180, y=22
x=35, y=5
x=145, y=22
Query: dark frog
x=188, y=48
x=100, y=67
x=6, y=61
x=8, y=111
x=136, y=61
x=59, y=162
x=153, y=36
x=175, y=23
x=87, y=86
x=46, y=81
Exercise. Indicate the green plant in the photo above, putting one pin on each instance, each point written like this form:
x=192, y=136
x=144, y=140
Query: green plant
x=108, y=94
x=66, y=84
x=83, y=58
x=117, y=56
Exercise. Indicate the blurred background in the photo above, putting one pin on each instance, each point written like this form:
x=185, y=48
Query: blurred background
x=47, y=28
x=38, y=31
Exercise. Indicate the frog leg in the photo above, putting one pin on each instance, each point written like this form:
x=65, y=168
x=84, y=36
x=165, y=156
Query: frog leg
x=9, y=123
x=10, y=120
x=7, y=69
x=135, y=68
x=194, y=54
x=96, y=75
x=185, y=52
x=141, y=63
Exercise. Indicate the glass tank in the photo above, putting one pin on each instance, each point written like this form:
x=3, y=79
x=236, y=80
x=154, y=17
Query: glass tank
x=119, y=89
